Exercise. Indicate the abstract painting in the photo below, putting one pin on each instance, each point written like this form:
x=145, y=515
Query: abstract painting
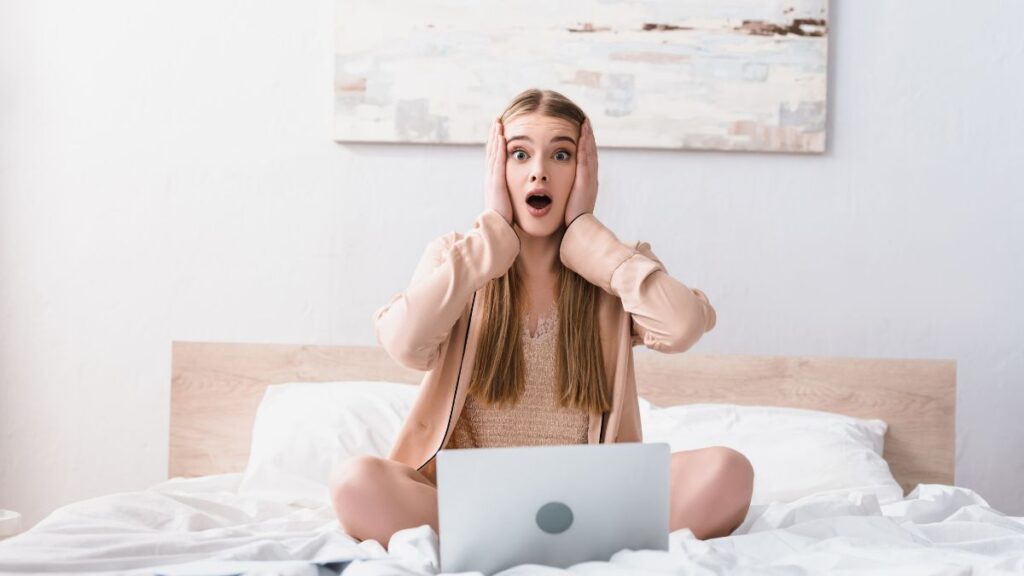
x=739, y=75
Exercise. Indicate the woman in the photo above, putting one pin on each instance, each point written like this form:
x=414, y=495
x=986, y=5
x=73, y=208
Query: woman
x=525, y=327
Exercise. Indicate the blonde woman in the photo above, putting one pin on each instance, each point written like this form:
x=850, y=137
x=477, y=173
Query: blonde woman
x=525, y=327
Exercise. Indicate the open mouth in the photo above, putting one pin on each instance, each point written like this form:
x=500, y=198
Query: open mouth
x=538, y=201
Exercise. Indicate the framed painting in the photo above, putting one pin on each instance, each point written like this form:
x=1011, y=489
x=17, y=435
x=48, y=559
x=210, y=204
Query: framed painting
x=742, y=75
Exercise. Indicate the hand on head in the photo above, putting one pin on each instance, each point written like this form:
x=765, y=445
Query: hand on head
x=583, y=196
x=496, y=195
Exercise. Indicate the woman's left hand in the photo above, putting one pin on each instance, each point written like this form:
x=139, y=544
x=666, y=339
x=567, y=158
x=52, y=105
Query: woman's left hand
x=583, y=195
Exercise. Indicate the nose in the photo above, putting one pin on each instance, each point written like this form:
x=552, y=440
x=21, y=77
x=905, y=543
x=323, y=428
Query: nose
x=538, y=170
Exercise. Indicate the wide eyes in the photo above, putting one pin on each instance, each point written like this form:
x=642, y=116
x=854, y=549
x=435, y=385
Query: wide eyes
x=562, y=154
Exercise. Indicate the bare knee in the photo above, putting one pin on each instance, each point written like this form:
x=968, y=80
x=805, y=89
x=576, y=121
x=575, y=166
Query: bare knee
x=716, y=465
x=712, y=490
x=356, y=474
x=735, y=476
x=352, y=484
x=735, y=470
x=374, y=497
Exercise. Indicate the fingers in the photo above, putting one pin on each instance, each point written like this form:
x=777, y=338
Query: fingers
x=589, y=154
x=494, y=149
x=583, y=152
x=501, y=143
x=583, y=136
x=491, y=144
x=499, y=158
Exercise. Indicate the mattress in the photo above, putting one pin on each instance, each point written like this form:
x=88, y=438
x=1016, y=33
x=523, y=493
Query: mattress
x=203, y=526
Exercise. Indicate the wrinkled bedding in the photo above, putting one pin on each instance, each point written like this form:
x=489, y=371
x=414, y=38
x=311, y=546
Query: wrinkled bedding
x=202, y=526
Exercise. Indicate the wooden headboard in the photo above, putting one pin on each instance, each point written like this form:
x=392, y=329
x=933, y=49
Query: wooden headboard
x=216, y=388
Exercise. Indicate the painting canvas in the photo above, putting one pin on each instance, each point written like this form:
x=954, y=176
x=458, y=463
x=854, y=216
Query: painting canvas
x=743, y=75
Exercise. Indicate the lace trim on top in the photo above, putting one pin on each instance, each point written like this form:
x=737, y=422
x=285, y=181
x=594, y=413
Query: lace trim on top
x=546, y=322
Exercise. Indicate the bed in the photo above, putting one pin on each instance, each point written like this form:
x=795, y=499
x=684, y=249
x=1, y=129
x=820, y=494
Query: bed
x=199, y=522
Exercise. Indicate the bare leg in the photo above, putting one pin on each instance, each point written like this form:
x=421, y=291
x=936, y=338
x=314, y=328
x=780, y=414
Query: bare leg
x=376, y=497
x=710, y=491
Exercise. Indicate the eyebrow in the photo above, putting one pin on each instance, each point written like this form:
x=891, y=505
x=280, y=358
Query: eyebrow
x=555, y=139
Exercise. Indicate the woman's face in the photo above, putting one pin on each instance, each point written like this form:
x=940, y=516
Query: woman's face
x=540, y=153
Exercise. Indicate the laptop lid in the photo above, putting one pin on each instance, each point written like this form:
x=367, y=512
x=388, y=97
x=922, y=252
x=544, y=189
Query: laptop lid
x=551, y=505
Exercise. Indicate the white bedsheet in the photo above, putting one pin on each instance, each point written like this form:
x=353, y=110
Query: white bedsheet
x=201, y=526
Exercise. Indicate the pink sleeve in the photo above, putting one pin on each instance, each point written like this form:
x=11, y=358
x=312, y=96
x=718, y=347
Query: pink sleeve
x=667, y=315
x=414, y=324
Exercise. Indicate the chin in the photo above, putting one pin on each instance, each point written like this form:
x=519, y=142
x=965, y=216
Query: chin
x=540, y=227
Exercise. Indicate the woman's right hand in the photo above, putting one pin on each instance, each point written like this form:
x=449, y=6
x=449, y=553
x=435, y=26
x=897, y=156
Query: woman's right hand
x=496, y=195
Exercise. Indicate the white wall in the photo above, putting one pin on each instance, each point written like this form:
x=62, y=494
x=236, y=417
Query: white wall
x=167, y=173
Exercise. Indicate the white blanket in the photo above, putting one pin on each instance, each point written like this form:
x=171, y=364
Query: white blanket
x=201, y=526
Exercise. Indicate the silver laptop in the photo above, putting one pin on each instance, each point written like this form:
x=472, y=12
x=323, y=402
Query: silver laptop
x=550, y=505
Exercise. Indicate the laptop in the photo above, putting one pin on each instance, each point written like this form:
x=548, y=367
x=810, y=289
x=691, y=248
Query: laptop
x=550, y=505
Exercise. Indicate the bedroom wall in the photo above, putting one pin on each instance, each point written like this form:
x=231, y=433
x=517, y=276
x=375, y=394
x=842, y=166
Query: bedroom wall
x=167, y=173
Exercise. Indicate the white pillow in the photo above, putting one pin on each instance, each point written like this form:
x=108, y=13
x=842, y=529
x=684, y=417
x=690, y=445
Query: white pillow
x=794, y=452
x=302, y=429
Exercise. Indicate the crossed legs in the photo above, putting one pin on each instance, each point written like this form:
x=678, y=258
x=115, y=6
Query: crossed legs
x=376, y=497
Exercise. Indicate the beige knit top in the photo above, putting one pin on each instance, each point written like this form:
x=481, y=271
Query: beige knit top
x=536, y=419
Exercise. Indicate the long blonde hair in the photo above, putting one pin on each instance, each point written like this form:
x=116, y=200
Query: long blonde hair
x=499, y=369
